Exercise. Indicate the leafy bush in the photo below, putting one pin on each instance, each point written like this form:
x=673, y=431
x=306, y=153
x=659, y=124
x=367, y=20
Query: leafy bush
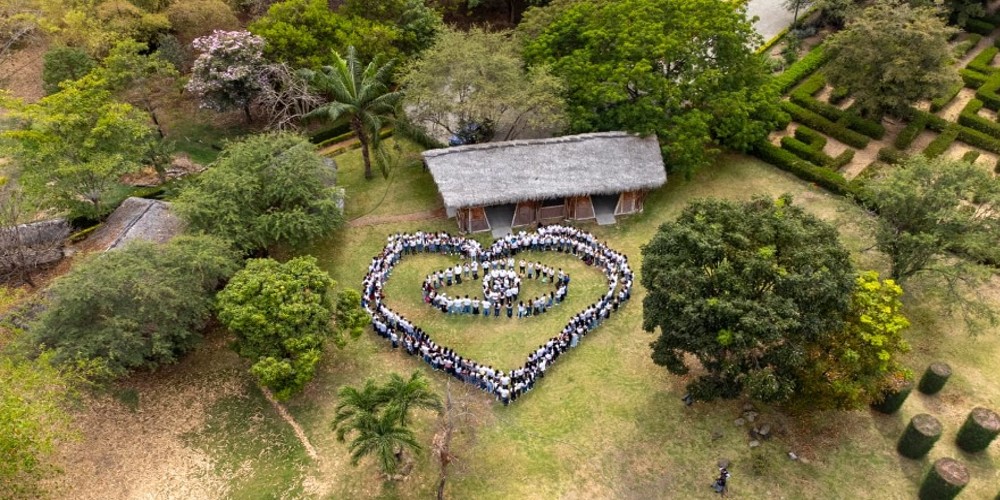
x=979, y=26
x=136, y=307
x=978, y=139
x=940, y=143
x=64, y=64
x=981, y=63
x=803, y=96
x=842, y=159
x=910, y=133
x=806, y=152
x=970, y=118
x=891, y=156
x=972, y=79
x=966, y=46
x=810, y=137
x=838, y=95
x=802, y=169
x=817, y=122
x=941, y=101
x=801, y=69
x=811, y=85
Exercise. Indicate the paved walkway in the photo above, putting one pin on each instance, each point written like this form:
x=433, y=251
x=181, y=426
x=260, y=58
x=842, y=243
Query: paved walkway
x=773, y=17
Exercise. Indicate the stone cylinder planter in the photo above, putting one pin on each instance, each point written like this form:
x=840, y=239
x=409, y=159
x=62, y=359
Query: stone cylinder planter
x=919, y=437
x=893, y=400
x=934, y=378
x=944, y=481
x=981, y=427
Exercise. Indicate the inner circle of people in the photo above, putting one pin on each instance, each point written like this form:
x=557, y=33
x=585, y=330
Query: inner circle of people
x=501, y=286
x=505, y=386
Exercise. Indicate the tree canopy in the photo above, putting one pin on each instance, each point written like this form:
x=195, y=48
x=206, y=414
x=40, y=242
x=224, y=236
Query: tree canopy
x=478, y=77
x=686, y=71
x=281, y=314
x=746, y=288
x=892, y=55
x=226, y=74
x=265, y=190
x=136, y=307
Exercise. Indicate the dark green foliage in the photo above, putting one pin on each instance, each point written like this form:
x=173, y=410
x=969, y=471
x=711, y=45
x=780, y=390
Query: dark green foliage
x=265, y=190
x=919, y=436
x=970, y=156
x=810, y=137
x=978, y=139
x=839, y=94
x=802, y=169
x=806, y=152
x=330, y=133
x=891, y=156
x=981, y=63
x=801, y=69
x=941, y=101
x=746, y=288
x=64, y=64
x=979, y=27
x=892, y=400
x=820, y=123
x=934, y=378
x=281, y=316
x=972, y=79
x=981, y=427
x=803, y=96
x=988, y=92
x=944, y=481
x=842, y=159
x=137, y=307
x=940, y=144
x=970, y=118
x=966, y=46
x=910, y=133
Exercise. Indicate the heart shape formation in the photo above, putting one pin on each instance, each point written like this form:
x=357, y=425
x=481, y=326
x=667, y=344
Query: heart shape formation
x=505, y=386
x=501, y=288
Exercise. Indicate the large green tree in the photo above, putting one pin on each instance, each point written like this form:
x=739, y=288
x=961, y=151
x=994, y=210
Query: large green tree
x=62, y=64
x=359, y=95
x=281, y=315
x=685, y=70
x=746, y=288
x=136, y=307
x=417, y=23
x=265, y=190
x=892, y=55
x=932, y=210
x=478, y=77
x=73, y=147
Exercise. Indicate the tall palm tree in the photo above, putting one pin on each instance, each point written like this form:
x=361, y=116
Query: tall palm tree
x=356, y=407
x=385, y=439
x=359, y=95
x=401, y=395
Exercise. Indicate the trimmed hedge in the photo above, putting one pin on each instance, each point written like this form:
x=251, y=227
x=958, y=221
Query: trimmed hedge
x=919, y=436
x=963, y=48
x=972, y=79
x=971, y=156
x=891, y=156
x=803, y=96
x=978, y=139
x=979, y=26
x=942, y=101
x=981, y=63
x=842, y=159
x=326, y=134
x=988, y=92
x=944, y=481
x=802, y=169
x=810, y=137
x=821, y=124
x=940, y=143
x=806, y=151
x=937, y=373
x=893, y=400
x=981, y=427
x=801, y=69
x=910, y=133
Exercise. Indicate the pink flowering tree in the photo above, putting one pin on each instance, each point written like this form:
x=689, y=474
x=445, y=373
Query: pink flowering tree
x=227, y=73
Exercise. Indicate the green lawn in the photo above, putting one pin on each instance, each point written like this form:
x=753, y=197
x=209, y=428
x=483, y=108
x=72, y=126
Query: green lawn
x=409, y=187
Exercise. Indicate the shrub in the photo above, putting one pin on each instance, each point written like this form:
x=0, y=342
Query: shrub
x=817, y=122
x=910, y=133
x=988, y=92
x=64, y=64
x=936, y=375
x=891, y=156
x=892, y=400
x=981, y=427
x=803, y=97
x=941, y=101
x=940, y=143
x=966, y=46
x=811, y=85
x=978, y=139
x=802, y=169
x=805, y=151
x=801, y=69
x=870, y=128
x=838, y=95
x=981, y=63
x=972, y=79
x=944, y=481
x=979, y=26
x=810, y=137
x=919, y=436
x=970, y=156
x=842, y=159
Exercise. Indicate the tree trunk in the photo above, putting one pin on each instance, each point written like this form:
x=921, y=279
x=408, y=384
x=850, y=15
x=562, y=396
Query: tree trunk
x=246, y=113
x=795, y=16
x=156, y=121
x=363, y=139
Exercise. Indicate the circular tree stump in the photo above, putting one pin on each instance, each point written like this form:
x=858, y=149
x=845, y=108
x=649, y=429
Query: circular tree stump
x=893, y=400
x=919, y=437
x=934, y=378
x=945, y=480
x=979, y=430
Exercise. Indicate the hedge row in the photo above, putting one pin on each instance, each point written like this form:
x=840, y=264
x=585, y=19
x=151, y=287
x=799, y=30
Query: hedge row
x=988, y=92
x=891, y=156
x=910, y=133
x=970, y=118
x=842, y=159
x=806, y=151
x=810, y=137
x=978, y=139
x=801, y=69
x=930, y=120
x=803, y=96
x=979, y=26
x=802, y=169
x=966, y=46
x=817, y=122
x=981, y=63
x=940, y=143
x=971, y=156
x=942, y=101
x=972, y=79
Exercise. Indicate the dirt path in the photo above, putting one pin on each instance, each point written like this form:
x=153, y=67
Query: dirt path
x=299, y=433
x=374, y=220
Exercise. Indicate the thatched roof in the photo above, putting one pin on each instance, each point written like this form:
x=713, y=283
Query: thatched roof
x=137, y=219
x=507, y=172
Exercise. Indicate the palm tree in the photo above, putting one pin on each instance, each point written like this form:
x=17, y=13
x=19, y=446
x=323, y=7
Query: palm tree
x=402, y=395
x=356, y=407
x=359, y=95
x=385, y=439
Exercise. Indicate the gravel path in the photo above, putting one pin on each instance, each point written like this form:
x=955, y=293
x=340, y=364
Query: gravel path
x=773, y=17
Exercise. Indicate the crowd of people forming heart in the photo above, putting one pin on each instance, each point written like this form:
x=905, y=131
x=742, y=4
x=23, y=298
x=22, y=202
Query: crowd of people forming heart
x=501, y=286
x=499, y=258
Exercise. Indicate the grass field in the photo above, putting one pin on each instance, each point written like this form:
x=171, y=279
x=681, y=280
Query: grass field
x=604, y=423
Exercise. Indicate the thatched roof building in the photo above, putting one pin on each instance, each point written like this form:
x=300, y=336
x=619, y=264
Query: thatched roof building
x=547, y=179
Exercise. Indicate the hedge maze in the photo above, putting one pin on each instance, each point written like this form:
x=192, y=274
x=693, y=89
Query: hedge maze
x=803, y=146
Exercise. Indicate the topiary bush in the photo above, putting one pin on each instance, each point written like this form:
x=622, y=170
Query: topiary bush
x=919, y=436
x=801, y=69
x=824, y=125
x=972, y=79
x=979, y=26
x=944, y=481
x=940, y=143
x=802, y=169
x=981, y=427
x=806, y=151
x=978, y=139
x=810, y=137
x=892, y=400
x=937, y=373
x=981, y=63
